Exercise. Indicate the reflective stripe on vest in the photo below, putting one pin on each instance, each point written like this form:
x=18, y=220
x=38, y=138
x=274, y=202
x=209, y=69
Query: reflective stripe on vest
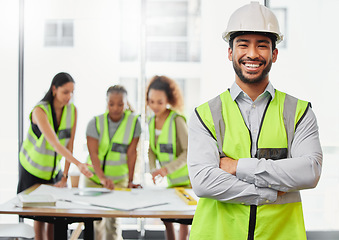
x=222, y=220
x=37, y=156
x=113, y=153
x=289, y=115
x=165, y=149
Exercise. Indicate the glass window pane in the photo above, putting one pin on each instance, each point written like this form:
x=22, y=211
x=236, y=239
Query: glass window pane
x=165, y=20
x=67, y=29
x=51, y=29
x=167, y=28
x=130, y=30
x=59, y=33
x=166, y=8
x=167, y=51
x=9, y=23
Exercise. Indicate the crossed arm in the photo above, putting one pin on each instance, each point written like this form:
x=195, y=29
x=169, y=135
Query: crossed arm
x=251, y=180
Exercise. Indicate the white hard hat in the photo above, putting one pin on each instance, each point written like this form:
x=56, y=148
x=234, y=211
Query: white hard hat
x=253, y=17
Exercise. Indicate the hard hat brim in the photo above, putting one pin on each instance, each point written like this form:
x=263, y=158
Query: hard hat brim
x=227, y=35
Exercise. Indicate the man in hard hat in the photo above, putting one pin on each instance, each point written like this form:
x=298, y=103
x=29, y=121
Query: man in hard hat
x=252, y=148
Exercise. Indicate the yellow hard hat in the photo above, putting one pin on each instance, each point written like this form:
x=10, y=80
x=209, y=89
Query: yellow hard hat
x=253, y=17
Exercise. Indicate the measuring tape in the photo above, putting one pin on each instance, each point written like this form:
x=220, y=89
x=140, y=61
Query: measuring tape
x=188, y=199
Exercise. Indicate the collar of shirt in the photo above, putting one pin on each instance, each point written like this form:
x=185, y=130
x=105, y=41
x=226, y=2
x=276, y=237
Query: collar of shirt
x=237, y=92
x=113, y=126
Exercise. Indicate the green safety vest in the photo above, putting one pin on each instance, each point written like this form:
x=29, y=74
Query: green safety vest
x=37, y=156
x=166, y=149
x=222, y=220
x=112, y=153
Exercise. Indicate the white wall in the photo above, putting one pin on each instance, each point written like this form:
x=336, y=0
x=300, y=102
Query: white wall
x=9, y=22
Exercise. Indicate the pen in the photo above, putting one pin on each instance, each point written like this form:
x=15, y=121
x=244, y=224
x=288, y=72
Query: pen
x=188, y=197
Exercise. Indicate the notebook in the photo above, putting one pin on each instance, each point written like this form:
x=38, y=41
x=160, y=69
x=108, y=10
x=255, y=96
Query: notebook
x=29, y=200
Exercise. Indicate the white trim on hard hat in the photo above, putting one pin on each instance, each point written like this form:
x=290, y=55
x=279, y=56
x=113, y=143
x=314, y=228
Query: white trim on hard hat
x=253, y=17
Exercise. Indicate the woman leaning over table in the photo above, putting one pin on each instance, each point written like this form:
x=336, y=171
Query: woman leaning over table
x=168, y=141
x=112, y=140
x=50, y=137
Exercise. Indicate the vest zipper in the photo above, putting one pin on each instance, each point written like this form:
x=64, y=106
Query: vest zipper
x=109, y=148
x=104, y=163
x=252, y=222
x=56, y=129
x=54, y=165
x=253, y=208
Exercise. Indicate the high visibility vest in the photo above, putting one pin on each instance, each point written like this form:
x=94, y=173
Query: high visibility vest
x=112, y=153
x=37, y=156
x=166, y=149
x=222, y=220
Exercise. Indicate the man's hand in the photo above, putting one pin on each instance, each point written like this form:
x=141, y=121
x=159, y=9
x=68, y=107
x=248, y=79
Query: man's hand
x=228, y=165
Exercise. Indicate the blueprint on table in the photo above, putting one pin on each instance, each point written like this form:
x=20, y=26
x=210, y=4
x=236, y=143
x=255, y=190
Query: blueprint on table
x=136, y=199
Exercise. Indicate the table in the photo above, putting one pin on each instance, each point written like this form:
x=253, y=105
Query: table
x=70, y=212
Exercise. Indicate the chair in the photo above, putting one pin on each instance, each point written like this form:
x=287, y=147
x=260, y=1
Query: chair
x=16, y=231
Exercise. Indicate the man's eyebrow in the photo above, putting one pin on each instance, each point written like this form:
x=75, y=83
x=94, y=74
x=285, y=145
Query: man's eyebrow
x=242, y=40
x=259, y=41
x=264, y=41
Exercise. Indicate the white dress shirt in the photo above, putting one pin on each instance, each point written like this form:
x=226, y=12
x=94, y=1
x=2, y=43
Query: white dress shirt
x=257, y=181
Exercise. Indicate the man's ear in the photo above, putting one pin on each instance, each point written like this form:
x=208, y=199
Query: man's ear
x=230, y=52
x=275, y=55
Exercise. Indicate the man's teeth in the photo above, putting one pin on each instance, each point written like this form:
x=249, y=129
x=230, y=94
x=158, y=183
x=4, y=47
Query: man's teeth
x=252, y=65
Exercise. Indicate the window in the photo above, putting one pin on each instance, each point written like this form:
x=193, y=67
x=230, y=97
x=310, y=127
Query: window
x=59, y=33
x=172, y=30
x=130, y=30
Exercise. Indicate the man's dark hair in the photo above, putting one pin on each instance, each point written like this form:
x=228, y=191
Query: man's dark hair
x=272, y=36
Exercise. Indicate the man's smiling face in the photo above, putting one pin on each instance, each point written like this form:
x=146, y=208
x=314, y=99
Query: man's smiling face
x=252, y=57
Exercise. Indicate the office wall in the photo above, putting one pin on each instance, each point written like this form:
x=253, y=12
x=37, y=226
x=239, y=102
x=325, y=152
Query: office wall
x=306, y=69
x=9, y=23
